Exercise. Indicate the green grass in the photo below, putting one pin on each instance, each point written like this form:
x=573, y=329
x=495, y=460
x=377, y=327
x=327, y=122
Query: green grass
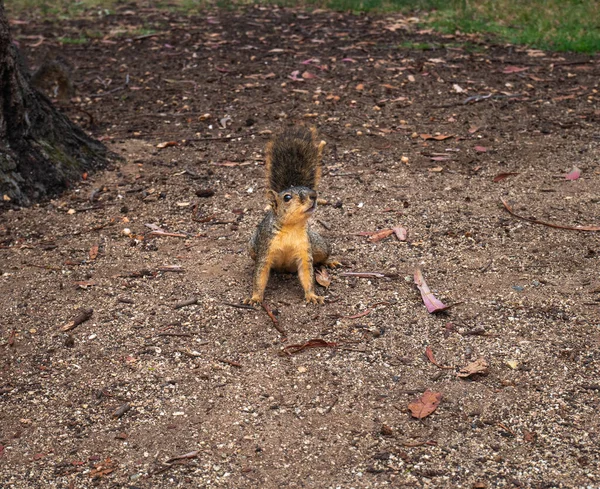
x=559, y=25
x=73, y=40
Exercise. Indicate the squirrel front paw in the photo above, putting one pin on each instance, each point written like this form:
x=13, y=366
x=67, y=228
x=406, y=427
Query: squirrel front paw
x=331, y=263
x=312, y=298
x=253, y=301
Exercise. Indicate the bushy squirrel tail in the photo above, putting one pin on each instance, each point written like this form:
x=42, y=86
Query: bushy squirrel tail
x=294, y=159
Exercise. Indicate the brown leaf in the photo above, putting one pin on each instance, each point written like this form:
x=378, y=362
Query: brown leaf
x=166, y=144
x=103, y=468
x=307, y=75
x=439, y=137
x=93, y=252
x=430, y=357
x=379, y=235
x=322, y=277
x=502, y=176
x=425, y=405
x=360, y=87
x=479, y=366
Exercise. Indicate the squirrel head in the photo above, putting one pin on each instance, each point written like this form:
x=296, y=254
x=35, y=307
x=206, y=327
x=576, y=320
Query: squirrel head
x=294, y=205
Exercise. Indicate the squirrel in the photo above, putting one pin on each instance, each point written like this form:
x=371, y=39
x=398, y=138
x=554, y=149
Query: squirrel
x=283, y=240
x=54, y=77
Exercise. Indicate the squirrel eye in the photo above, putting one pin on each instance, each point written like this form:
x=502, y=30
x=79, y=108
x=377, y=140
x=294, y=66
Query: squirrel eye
x=287, y=197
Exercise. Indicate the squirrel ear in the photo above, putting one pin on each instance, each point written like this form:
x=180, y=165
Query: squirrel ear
x=272, y=198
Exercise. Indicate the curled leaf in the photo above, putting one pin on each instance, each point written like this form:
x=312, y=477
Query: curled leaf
x=379, y=235
x=439, y=137
x=322, y=277
x=401, y=233
x=574, y=174
x=431, y=302
x=425, y=405
x=166, y=144
x=502, y=176
x=94, y=252
x=479, y=366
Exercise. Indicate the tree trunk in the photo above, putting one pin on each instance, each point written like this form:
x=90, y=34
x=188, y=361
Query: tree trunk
x=41, y=150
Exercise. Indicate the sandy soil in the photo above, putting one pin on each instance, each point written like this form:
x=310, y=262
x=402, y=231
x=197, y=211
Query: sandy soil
x=147, y=394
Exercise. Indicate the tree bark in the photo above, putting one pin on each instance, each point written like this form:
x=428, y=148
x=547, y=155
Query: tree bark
x=41, y=151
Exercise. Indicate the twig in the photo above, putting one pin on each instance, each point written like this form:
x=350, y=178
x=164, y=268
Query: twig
x=363, y=274
x=193, y=454
x=409, y=444
x=220, y=138
x=238, y=306
x=230, y=362
x=276, y=324
x=82, y=317
x=119, y=412
x=549, y=224
x=103, y=94
x=506, y=428
x=188, y=302
x=316, y=343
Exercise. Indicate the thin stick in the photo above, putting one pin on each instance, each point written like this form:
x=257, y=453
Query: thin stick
x=230, y=362
x=549, y=224
x=188, y=302
x=276, y=324
x=238, y=306
x=82, y=317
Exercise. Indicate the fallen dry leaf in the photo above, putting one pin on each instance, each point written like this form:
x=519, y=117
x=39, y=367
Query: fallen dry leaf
x=379, y=235
x=401, y=233
x=439, y=137
x=425, y=405
x=166, y=144
x=103, y=468
x=502, y=176
x=431, y=302
x=480, y=149
x=479, y=366
x=513, y=69
x=94, y=252
x=322, y=277
x=574, y=174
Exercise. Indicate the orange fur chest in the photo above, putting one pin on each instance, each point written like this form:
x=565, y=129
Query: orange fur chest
x=289, y=247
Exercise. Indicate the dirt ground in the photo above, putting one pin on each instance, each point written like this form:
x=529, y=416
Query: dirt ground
x=148, y=394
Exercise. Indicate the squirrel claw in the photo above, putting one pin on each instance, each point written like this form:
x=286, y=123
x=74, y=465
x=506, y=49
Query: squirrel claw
x=312, y=298
x=253, y=301
x=333, y=263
